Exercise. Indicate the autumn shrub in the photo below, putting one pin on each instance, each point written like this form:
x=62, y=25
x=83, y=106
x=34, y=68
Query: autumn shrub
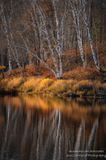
x=14, y=73
x=30, y=70
x=82, y=74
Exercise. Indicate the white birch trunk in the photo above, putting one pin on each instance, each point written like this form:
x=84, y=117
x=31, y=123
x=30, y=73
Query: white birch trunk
x=76, y=19
x=90, y=39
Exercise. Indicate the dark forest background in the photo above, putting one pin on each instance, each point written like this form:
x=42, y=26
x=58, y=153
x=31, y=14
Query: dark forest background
x=30, y=34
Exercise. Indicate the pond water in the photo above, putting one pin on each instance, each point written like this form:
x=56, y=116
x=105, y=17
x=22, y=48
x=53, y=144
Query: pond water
x=38, y=128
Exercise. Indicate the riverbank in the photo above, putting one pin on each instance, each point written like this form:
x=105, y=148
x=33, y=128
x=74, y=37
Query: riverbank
x=53, y=87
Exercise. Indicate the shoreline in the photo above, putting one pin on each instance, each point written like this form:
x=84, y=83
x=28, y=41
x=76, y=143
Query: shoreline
x=52, y=87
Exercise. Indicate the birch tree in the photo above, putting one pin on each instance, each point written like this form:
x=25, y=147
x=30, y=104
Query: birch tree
x=51, y=35
x=12, y=50
x=89, y=34
x=5, y=27
x=81, y=20
x=76, y=13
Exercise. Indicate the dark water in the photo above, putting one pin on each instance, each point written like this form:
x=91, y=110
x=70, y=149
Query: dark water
x=35, y=128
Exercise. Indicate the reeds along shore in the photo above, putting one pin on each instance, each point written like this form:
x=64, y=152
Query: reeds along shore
x=52, y=87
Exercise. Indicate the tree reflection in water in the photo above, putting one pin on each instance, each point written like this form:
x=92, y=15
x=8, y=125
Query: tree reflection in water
x=42, y=131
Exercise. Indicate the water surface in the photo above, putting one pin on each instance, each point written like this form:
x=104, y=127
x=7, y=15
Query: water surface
x=38, y=128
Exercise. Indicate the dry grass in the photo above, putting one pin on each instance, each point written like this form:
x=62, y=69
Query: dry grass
x=30, y=84
x=58, y=87
x=52, y=87
x=84, y=87
x=83, y=84
x=12, y=83
x=15, y=83
x=2, y=67
x=44, y=84
x=3, y=83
